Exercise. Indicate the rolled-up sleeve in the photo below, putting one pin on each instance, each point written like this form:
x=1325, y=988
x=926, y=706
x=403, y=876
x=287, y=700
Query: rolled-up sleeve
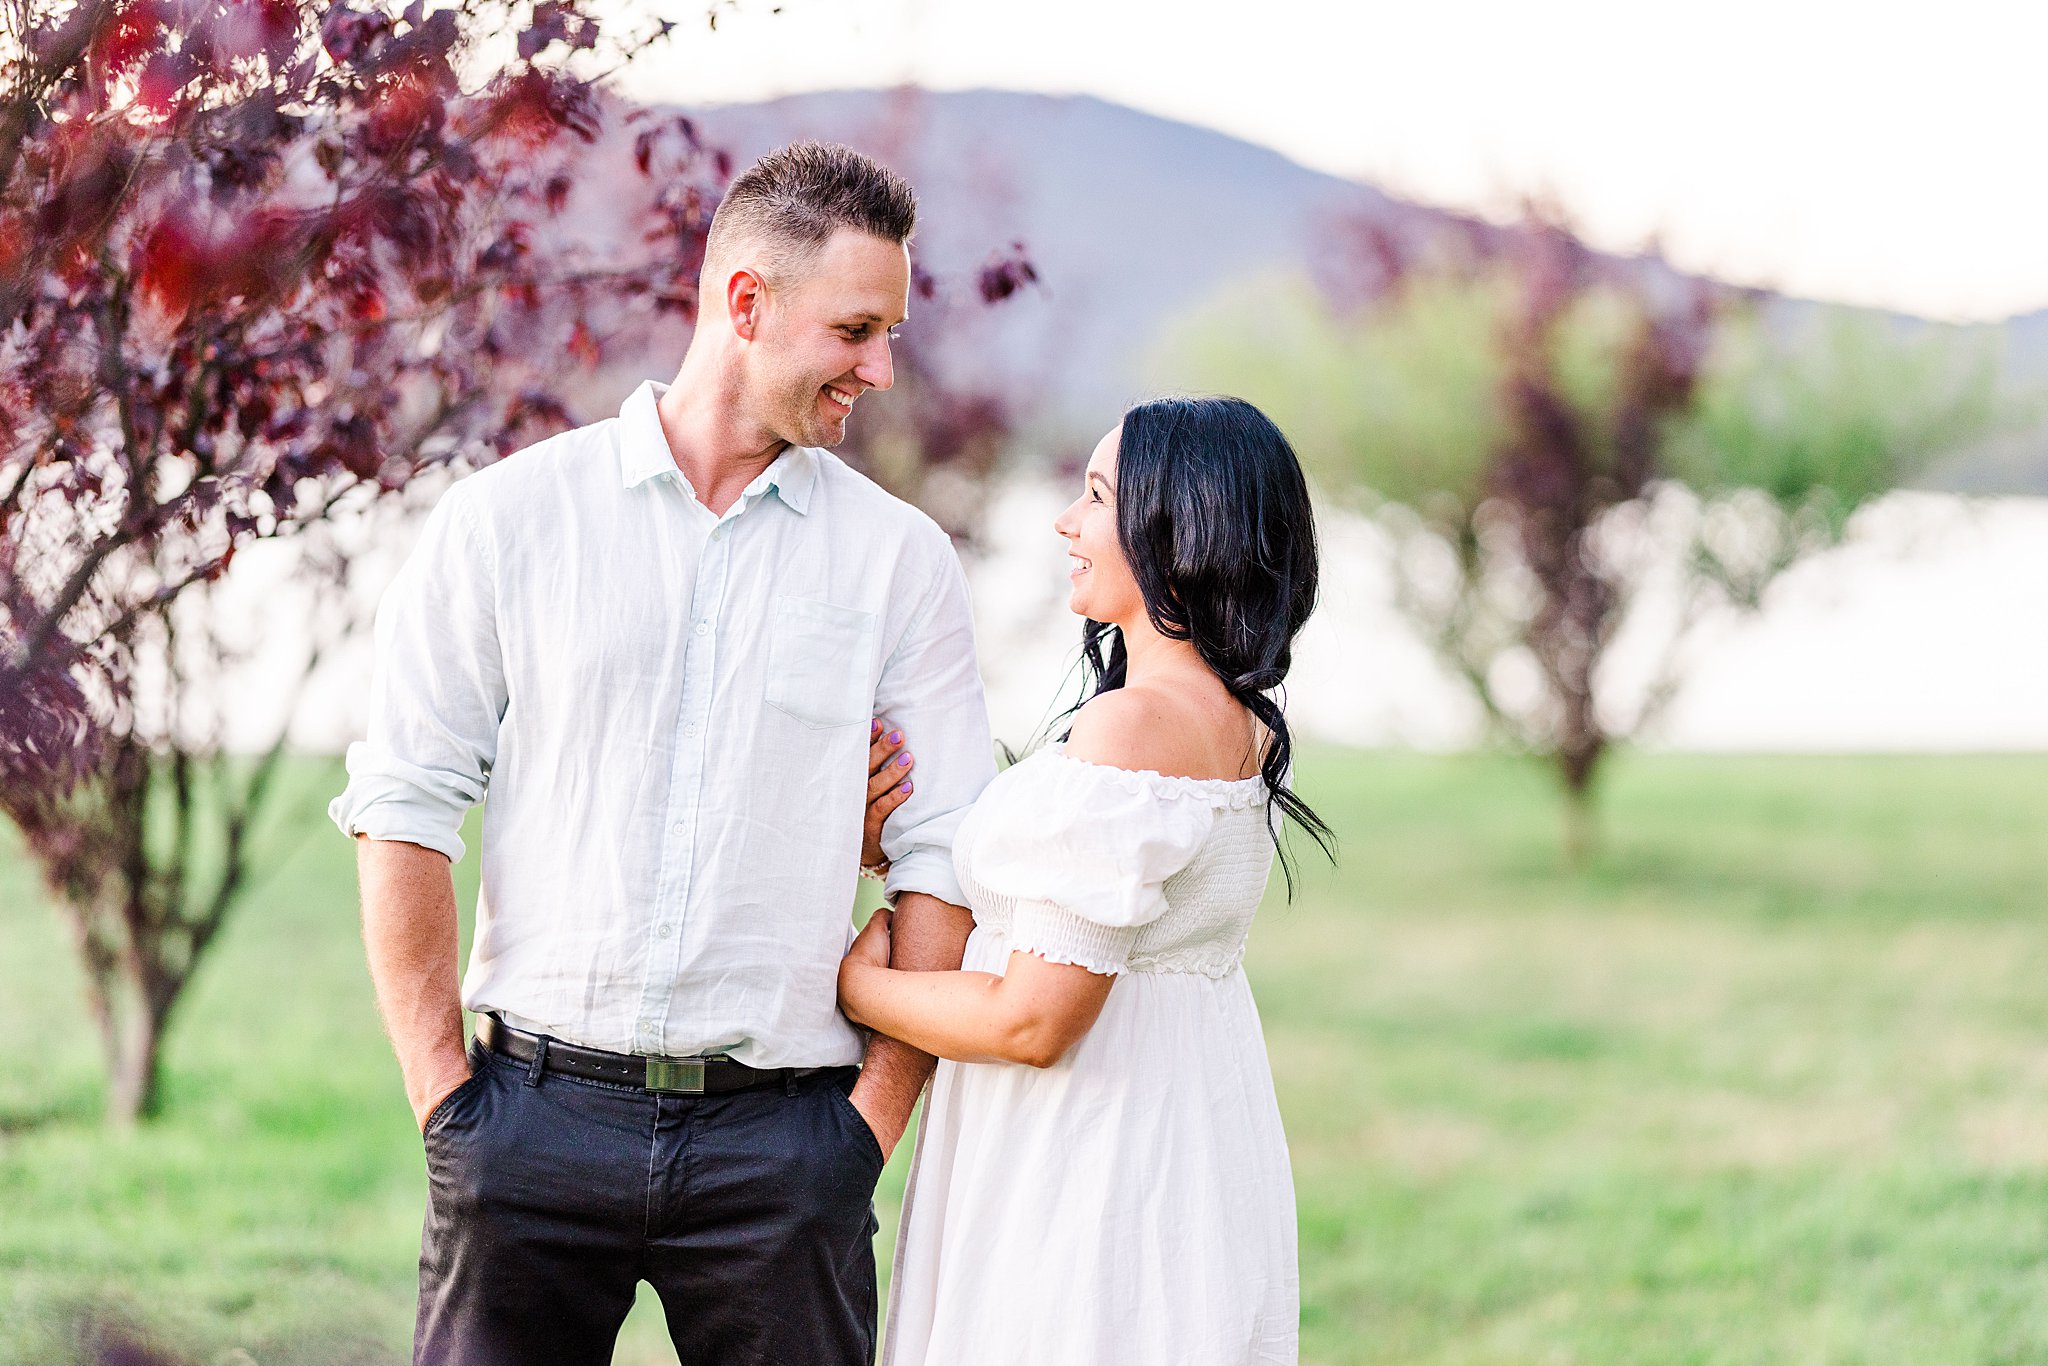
x=437, y=693
x=931, y=689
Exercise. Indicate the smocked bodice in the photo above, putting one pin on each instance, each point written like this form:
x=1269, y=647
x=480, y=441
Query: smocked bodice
x=1117, y=870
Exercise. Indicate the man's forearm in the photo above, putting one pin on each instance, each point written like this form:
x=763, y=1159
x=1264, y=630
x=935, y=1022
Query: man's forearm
x=925, y=935
x=409, y=935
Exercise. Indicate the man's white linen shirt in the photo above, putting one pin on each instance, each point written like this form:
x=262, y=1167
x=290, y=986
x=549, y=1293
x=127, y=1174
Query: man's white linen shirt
x=670, y=711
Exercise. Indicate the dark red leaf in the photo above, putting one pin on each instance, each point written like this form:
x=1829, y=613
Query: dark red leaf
x=349, y=35
x=1004, y=276
x=549, y=26
x=138, y=30
x=583, y=346
x=535, y=106
x=161, y=86
x=405, y=109
x=88, y=171
x=174, y=265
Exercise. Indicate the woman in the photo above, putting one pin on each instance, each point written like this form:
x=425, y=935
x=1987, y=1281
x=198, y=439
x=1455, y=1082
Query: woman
x=1101, y=1174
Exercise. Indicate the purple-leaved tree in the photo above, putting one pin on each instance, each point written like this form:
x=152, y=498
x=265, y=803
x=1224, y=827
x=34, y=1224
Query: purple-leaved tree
x=1565, y=449
x=261, y=263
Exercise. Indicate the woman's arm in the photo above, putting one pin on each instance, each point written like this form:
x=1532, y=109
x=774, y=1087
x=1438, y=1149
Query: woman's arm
x=1032, y=1015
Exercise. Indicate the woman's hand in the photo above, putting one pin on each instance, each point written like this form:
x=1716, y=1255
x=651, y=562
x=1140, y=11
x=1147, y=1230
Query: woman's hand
x=889, y=786
x=870, y=949
x=871, y=945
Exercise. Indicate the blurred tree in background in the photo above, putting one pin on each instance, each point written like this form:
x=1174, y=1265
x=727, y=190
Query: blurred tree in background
x=261, y=263
x=1567, y=450
x=939, y=441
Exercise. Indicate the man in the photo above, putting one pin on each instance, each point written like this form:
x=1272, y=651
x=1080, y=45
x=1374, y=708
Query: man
x=658, y=640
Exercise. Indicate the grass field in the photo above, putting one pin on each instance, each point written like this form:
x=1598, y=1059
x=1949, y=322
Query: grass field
x=1768, y=1084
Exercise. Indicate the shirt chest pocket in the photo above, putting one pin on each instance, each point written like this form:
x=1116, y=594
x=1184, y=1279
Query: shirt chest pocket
x=821, y=661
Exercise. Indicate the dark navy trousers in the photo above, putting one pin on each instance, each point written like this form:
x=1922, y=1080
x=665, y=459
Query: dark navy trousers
x=551, y=1198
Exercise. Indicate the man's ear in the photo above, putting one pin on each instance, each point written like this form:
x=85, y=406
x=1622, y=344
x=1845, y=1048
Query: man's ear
x=745, y=294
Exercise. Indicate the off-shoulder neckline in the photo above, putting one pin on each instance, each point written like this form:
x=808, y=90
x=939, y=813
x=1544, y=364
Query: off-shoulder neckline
x=1238, y=791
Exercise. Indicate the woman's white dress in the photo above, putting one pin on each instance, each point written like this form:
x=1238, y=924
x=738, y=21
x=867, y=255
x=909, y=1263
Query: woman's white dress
x=1133, y=1204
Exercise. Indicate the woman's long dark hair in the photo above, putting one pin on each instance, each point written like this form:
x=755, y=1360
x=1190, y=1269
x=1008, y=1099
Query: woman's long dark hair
x=1213, y=516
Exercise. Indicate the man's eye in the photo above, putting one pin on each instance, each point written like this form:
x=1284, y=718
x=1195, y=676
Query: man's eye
x=1094, y=497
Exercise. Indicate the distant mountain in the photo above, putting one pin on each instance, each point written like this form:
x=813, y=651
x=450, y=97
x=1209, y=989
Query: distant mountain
x=1131, y=221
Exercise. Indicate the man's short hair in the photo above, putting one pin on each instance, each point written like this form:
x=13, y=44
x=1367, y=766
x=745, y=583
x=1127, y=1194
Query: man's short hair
x=780, y=211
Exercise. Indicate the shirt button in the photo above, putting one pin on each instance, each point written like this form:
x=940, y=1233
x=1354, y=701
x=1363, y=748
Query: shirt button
x=703, y=628
x=665, y=931
x=647, y=1026
x=677, y=827
x=690, y=729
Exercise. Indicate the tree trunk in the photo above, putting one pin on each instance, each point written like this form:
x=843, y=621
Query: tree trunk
x=131, y=1029
x=1581, y=828
x=1579, y=765
x=128, y=1016
x=132, y=1071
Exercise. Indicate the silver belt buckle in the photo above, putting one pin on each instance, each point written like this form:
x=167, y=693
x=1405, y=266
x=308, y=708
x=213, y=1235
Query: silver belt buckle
x=676, y=1076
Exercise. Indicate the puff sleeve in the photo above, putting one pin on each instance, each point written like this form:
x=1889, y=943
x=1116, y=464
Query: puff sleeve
x=1083, y=852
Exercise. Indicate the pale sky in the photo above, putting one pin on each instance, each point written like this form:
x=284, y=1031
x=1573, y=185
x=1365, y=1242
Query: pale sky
x=1873, y=153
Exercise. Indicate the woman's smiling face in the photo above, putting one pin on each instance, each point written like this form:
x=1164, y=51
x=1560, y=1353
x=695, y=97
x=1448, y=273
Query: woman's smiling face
x=1103, y=587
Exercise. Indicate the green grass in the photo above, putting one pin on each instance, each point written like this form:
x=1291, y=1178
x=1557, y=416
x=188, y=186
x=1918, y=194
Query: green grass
x=1768, y=1084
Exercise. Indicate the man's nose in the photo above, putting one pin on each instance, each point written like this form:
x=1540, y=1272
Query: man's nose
x=876, y=369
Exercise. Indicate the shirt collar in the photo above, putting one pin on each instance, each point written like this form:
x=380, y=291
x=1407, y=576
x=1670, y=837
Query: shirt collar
x=644, y=454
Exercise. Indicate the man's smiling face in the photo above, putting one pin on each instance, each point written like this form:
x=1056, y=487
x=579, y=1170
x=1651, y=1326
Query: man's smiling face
x=823, y=338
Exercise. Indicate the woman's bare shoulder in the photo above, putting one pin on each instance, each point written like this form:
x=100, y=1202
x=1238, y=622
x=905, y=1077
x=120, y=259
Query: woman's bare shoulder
x=1148, y=729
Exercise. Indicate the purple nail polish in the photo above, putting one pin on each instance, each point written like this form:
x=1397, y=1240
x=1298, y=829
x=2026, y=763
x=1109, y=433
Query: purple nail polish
x=904, y=788
x=902, y=759
x=895, y=737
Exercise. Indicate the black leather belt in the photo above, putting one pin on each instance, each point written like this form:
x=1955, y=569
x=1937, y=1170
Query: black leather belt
x=709, y=1075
